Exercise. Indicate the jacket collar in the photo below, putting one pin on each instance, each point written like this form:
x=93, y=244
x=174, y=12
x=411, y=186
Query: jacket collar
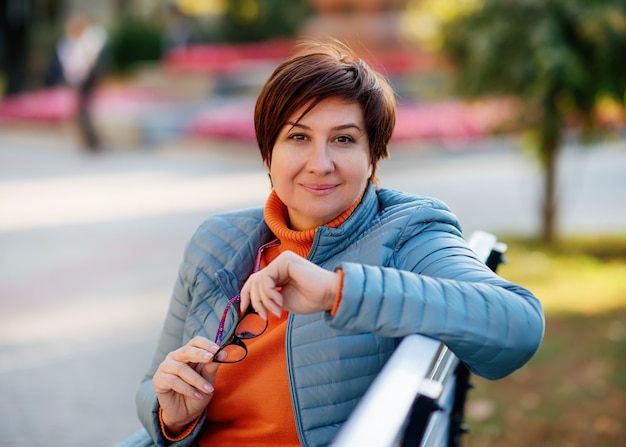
x=329, y=242
x=236, y=271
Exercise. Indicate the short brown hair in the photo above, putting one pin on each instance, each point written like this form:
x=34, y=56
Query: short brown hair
x=317, y=71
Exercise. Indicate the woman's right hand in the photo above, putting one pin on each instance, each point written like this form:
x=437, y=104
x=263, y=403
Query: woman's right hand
x=183, y=391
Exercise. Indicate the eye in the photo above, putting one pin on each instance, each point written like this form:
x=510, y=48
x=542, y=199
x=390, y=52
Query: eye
x=298, y=137
x=345, y=139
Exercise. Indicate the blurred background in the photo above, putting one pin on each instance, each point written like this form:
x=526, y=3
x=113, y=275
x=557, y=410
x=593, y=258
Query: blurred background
x=512, y=112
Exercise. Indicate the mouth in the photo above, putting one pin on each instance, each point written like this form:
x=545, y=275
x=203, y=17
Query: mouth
x=319, y=189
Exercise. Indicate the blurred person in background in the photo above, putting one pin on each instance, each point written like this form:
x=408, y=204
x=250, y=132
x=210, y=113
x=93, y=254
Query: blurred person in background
x=81, y=55
x=283, y=315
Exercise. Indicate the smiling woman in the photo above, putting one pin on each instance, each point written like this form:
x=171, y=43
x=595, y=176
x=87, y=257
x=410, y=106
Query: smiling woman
x=320, y=163
x=350, y=269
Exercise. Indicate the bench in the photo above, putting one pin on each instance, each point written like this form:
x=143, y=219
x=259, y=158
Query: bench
x=418, y=400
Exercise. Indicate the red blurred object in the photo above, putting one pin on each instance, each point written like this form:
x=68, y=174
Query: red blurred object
x=49, y=105
x=453, y=119
x=446, y=120
x=226, y=120
x=234, y=119
x=225, y=58
x=229, y=58
x=59, y=103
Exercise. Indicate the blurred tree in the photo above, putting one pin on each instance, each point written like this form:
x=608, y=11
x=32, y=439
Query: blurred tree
x=134, y=41
x=258, y=20
x=559, y=57
x=423, y=19
x=14, y=44
x=124, y=8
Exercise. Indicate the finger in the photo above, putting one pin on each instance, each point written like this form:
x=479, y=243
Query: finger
x=203, y=343
x=186, y=362
x=244, y=296
x=191, y=377
x=272, y=301
x=209, y=370
x=250, y=296
x=179, y=386
x=181, y=379
x=197, y=350
x=189, y=355
x=268, y=294
x=260, y=309
x=256, y=298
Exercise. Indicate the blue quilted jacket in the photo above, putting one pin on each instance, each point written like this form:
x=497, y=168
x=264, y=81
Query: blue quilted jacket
x=407, y=269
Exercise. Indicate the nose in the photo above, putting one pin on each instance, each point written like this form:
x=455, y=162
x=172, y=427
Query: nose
x=320, y=160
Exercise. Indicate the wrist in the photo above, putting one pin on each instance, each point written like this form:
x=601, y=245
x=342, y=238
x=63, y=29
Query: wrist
x=176, y=430
x=336, y=296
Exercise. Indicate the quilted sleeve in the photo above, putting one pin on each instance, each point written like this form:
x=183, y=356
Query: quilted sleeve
x=440, y=289
x=190, y=311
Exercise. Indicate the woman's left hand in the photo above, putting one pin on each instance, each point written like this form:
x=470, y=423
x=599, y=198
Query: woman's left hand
x=291, y=283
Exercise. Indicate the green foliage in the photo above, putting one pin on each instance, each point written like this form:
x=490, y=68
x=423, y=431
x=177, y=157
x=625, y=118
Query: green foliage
x=559, y=57
x=252, y=20
x=133, y=42
x=563, y=52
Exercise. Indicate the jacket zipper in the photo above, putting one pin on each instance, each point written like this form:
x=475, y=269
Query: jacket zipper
x=292, y=386
x=225, y=278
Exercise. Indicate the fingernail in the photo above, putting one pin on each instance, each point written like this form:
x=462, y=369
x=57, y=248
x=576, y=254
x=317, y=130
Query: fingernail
x=198, y=395
x=208, y=388
x=207, y=356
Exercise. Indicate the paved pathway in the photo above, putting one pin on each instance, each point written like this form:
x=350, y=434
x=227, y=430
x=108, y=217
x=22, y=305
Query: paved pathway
x=89, y=247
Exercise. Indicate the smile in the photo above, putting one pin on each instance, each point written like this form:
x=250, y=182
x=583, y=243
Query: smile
x=319, y=189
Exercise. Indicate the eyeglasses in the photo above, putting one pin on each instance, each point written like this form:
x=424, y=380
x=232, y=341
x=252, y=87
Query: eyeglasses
x=250, y=324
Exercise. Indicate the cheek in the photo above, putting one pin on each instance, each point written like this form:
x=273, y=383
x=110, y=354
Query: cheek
x=281, y=169
x=362, y=165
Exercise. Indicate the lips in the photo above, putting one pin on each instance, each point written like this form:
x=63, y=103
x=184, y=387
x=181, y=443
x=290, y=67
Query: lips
x=319, y=189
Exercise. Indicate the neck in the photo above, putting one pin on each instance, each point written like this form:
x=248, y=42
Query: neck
x=300, y=242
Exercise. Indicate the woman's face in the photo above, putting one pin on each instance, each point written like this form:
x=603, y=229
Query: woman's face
x=321, y=164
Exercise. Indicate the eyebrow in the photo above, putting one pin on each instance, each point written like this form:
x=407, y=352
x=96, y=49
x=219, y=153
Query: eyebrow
x=340, y=127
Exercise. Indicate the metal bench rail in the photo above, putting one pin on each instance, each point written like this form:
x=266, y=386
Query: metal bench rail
x=418, y=399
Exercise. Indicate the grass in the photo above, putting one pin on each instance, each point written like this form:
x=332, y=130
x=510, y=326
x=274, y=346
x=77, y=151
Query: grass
x=573, y=391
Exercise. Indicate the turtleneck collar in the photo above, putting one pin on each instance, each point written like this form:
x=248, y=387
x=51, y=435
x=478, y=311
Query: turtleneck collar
x=277, y=218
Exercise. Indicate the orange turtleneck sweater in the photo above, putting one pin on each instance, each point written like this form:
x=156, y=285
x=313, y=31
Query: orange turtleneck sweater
x=252, y=402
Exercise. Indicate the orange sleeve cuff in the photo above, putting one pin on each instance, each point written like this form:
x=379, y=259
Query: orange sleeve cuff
x=333, y=311
x=183, y=435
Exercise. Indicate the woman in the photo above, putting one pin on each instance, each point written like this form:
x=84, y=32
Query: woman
x=341, y=271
